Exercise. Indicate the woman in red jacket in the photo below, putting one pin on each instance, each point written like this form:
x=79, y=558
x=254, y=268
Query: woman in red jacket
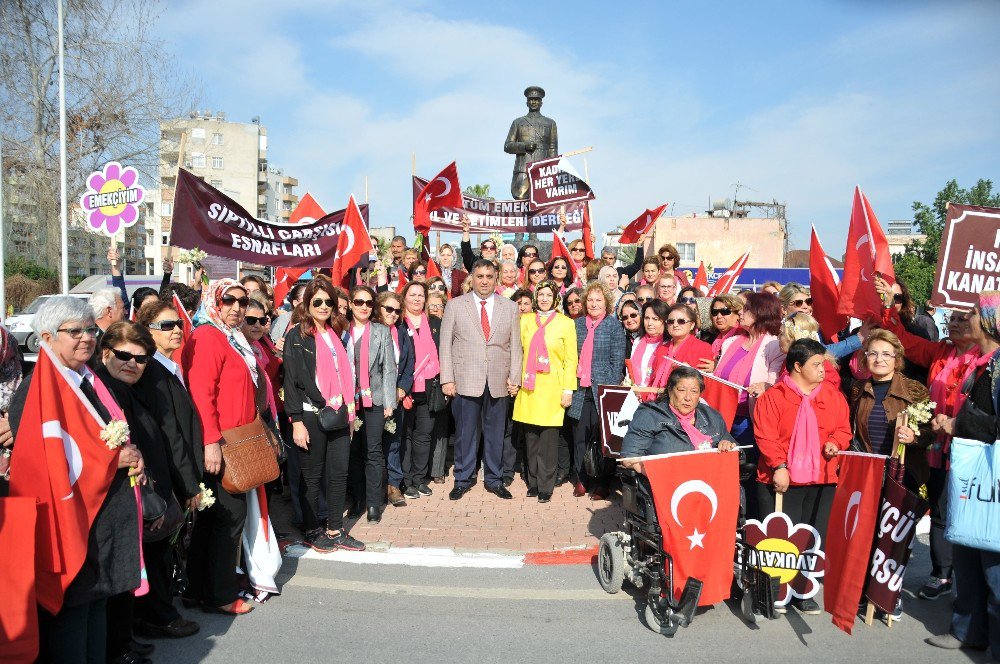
x=216, y=357
x=801, y=424
x=682, y=346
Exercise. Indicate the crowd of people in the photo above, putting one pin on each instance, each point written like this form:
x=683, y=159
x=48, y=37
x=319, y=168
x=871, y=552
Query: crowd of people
x=490, y=367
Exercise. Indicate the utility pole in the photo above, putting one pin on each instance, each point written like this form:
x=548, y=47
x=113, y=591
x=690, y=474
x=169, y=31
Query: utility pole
x=63, y=203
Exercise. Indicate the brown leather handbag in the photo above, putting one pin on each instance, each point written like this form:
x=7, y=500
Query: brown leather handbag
x=249, y=457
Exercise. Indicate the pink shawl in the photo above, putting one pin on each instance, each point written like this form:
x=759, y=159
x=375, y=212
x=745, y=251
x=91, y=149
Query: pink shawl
x=698, y=439
x=538, y=353
x=717, y=344
x=333, y=373
x=587, y=352
x=958, y=366
x=740, y=373
x=428, y=365
x=804, y=462
x=646, y=372
x=364, y=377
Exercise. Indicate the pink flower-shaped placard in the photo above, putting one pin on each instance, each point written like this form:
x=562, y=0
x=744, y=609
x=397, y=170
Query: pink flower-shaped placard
x=112, y=199
x=790, y=552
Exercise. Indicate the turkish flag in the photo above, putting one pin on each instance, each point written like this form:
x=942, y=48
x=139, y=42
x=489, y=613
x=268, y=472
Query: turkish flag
x=401, y=273
x=850, y=534
x=186, y=325
x=824, y=286
x=588, y=233
x=442, y=191
x=64, y=465
x=722, y=398
x=867, y=254
x=284, y=278
x=560, y=250
x=701, y=279
x=353, y=244
x=725, y=283
x=640, y=225
x=19, y=608
x=425, y=255
x=697, y=498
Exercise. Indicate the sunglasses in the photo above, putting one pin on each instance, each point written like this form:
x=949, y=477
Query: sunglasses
x=488, y=247
x=799, y=303
x=578, y=250
x=390, y=310
x=256, y=320
x=165, y=325
x=439, y=287
x=359, y=302
x=558, y=266
x=319, y=302
x=530, y=254
x=230, y=300
x=128, y=357
x=537, y=270
x=687, y=300
x=629, y=316
x=664, y=258
x=78, y=332
x=897, y=298
x=419, y=272
x=677, y=321
x=644, y=299
x=722, y=312
x=573, y=301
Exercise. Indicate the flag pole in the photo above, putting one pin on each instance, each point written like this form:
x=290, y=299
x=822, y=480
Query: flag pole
x=586, y=178
x=3, y=253
x=366, y=190
x=63, y=214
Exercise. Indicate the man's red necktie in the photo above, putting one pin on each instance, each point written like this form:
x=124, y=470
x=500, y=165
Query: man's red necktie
x=485, y=320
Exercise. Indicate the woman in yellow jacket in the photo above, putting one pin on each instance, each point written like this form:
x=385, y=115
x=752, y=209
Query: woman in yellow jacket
x=548, y=379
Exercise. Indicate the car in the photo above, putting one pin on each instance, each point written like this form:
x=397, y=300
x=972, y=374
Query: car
x=20, y=325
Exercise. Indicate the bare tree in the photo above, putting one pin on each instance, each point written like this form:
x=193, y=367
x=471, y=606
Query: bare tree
x=120, y=83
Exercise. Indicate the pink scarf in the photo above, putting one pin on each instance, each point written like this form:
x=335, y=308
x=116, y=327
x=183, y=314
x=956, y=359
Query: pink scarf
x=587, y=352
x=394, y=331
x=645, y=373
x=698, y=439
x=538, y=354
x=663, y=372
x=116, y=413
x=428, y=365
x=804, y=462
x=364, y=379
x=947, y=387
x=333, y=373
x=717, y=344
x=740, y=374
x=259, y=354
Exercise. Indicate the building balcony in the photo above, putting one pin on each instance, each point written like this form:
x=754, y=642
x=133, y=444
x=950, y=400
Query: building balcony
x=289, y=198
x=290, y=181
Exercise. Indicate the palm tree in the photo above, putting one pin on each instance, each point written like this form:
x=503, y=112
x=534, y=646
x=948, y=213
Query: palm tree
x=479, y=191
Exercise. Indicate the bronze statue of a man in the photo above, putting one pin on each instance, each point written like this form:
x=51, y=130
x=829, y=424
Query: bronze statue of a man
x=531, y=137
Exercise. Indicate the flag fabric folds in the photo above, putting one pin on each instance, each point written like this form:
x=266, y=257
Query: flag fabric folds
x=588, y=234
x=824, y=287
x=353, y=244
x=441, y=192
x=850, y=533
x=640, y=225
x=697, y=498
x=284, y=278
x=701, y=279
x=19, y=608
x=867, y=254
x=728, y=280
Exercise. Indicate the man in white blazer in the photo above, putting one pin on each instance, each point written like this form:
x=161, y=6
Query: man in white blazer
x=480, y=368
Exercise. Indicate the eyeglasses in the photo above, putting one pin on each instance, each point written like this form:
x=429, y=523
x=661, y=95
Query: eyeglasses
x=390, y=310
x=319, y=302
x=687, y=300
x=256, y=320
x=573, y=302
x=435, y=307
x=359, y=302
x=164, y=325
x=722, y=312
x=230, y=300
x=666, y=257
x=128, y=357
x=897, y=298
x=537, y=270
x=799, y=303
x=880, y=355
x=78, y=332
x=629, y=316
x=530, y=254
x=677, y=321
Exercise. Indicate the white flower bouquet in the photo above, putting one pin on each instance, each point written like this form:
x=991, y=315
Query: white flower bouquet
x=115, y=434
x=207, y=498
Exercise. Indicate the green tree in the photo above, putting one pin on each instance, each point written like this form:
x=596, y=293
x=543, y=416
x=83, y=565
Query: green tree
x=919, y=261
x=479, y=191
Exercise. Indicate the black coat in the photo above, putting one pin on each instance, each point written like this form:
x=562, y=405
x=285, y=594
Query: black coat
x=299, y=362
x=404, y=331
x=169, y=403
x=407, y=358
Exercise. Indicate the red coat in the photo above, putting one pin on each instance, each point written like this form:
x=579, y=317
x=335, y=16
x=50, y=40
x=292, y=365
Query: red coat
x=773, y=419
x=694, y=351
x=211, y=364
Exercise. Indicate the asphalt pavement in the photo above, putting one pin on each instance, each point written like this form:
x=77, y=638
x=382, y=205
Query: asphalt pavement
x=343, y=612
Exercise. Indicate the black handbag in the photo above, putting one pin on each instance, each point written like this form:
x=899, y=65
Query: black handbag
x=436, y=399
x=153, y=505
x=332, y=419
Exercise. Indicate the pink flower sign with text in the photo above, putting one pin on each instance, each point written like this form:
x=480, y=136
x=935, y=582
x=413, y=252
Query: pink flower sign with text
x=111, y=202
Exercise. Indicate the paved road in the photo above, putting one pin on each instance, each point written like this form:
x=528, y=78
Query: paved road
x=340, y=612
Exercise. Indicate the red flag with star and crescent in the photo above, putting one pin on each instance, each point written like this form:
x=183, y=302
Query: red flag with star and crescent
x=353, y=244
x=728, y=280
x=697, y=498
x=284, y=278
x=850, y=533
x=867, y=254
x=560, y=250
x=64, y=465
x=443, y=191
x=640, y=225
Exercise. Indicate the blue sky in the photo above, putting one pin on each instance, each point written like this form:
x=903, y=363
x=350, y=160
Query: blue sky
x=798, y=101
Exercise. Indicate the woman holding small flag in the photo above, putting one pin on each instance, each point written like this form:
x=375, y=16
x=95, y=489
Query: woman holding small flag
x=548, y=382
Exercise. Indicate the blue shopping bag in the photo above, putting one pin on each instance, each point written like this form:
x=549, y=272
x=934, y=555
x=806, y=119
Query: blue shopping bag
x=973, y=494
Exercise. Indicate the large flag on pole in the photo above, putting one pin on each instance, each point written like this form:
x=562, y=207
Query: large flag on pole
x=441, y=192
x=824, y=286
x=867, y=255
x=701, y=279
x=306, y=211
x=353, y=244
x=588, y=233
x=727, y=281
x=187, y=326
x=850, y=533
x=640, y=225
x=697, y=498
x=19, y=608
x=560, y=250
x=64, y=465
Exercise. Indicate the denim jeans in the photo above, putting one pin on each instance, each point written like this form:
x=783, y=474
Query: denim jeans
x=976, y=617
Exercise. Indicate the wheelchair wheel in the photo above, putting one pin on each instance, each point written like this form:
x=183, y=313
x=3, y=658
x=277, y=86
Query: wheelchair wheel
x=667, y=627
x=611, y=563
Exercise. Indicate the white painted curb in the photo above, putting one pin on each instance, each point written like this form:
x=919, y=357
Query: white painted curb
x=413, y=557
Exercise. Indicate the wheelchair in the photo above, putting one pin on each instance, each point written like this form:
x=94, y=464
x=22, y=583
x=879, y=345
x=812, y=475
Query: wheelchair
x=636, y=555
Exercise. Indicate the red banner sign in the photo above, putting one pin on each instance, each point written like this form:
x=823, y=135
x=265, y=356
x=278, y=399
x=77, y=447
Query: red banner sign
x=555, y=182
x=614, y=423
x=894, y=532
x=969, y=259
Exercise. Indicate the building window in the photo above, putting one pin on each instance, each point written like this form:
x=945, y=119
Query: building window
x=216, y=183
x=198, y=133
x=217, y=162
x=165, y=239
x=167, y=209
x=216, y=139
x=197, y=160
x=686, y=250
x=287, y=205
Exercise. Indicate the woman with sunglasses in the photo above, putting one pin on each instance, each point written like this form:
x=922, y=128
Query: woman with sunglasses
x=724, y=312
x=227, y=390
x=573, y=303
x=319, y=374
x=375, y=368
x=630, y=315
x=390, y=309
x=548, y=381
x=535, y=274
x=689, y=295
x=795, y=297
x=417, y=272
x=670, y=262
x=683, y=346
x=487, y=248
x=560, y=273
x=436, y=285
x=578, y=250
x=526, y=255
x=255, y=325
